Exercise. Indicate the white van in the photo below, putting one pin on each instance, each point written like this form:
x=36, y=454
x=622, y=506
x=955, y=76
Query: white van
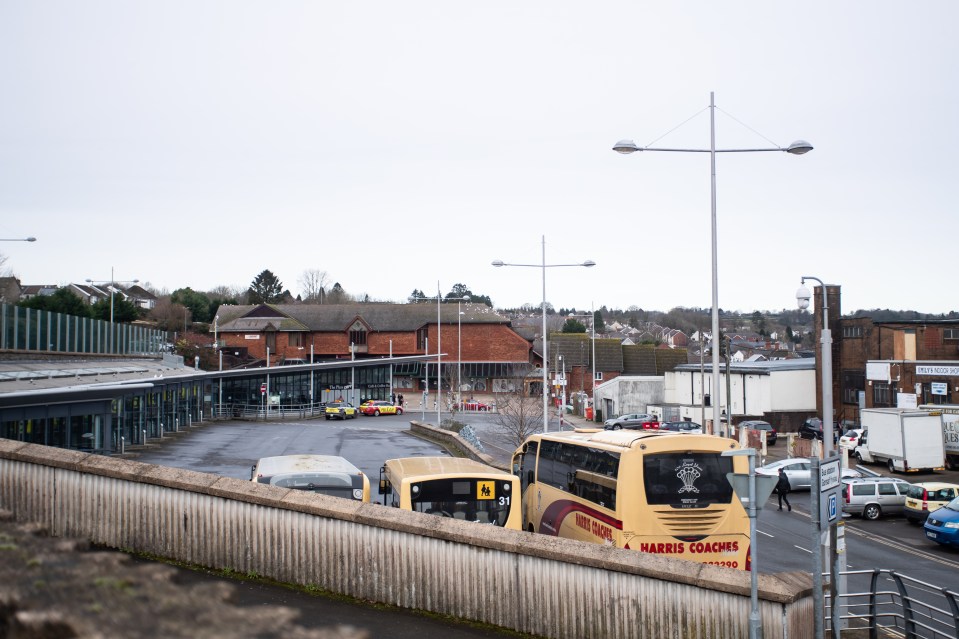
x=325, y=474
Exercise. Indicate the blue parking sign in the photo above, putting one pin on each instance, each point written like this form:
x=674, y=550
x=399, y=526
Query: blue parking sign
x=833, y=506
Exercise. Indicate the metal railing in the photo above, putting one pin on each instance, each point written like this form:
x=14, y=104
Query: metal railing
x=260, y=412
x=885, y=601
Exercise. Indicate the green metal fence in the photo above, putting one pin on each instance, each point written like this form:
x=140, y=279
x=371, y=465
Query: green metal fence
x=27, y=329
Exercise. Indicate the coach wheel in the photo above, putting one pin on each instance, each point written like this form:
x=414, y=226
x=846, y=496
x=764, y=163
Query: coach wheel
x=891, y=466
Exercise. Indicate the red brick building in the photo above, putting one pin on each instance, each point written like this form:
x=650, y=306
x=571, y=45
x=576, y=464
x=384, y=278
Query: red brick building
x=885, y=364
x=478, y=345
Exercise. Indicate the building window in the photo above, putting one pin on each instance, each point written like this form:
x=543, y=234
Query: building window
x=852, y=331
x=950, y=334
x=852, y=383
x=296, y=340
x=422, y=335
x=358, y=334
x=880, y=394
x=598, y=376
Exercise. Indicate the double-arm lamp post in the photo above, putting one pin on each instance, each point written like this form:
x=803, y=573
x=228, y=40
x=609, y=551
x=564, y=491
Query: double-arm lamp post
x=544, y=266
x=796, y=148
x=439, y=351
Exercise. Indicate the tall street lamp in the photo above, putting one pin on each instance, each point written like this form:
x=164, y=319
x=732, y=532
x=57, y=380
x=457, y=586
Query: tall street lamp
x=439, y=356
x=798, y=147
x=802, y=300
x=18, y=239
x=459, y=349
x=544, y=266
x=837, y=584
x=112, y=286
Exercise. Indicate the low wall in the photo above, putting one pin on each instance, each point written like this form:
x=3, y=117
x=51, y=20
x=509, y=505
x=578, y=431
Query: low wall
x=452, y=441
x=523, y=581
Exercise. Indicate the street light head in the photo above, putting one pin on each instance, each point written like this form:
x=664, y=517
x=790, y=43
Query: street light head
x=499, y=263
x=31, y=239
x=803, y=297
x=88, y=281
x=626, y=147
x=588, y=263
x=799, y=147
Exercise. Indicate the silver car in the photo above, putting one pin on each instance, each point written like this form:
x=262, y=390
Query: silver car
x=873, y=497
x=799, y=472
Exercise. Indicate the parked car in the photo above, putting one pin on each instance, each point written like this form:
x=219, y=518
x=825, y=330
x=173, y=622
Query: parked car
x=942, y=526
x=474, y=405
x=873, y=497
x=799, y=472
x=377, y=407
x=340, y=410
x=758, y=424
x=812, y=429
x=691, y=428
x=850, y=439
x=925, y=497
x=635, y=421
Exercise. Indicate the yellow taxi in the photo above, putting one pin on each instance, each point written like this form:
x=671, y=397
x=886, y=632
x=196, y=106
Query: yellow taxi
x=377, y=407
x=340, y=410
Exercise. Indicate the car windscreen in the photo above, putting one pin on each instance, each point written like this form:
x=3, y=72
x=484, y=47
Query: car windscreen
x=334, y=484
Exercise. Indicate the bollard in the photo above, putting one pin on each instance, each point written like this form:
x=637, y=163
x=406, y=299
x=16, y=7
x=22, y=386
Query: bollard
x=123, y=441
x=144, y=431
x=176, y=424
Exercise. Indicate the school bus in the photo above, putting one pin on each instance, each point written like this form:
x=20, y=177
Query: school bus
x=325, y=474
x=661, y=493
x=451, y=487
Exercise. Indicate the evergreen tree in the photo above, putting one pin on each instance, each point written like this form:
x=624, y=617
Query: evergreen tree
x=573, y=326
x=62, y=301
x=266, y=288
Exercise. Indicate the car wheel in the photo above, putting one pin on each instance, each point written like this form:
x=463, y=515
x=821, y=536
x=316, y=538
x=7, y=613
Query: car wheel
x=912, y=520
x=891, y=466
x=617, y=426
x=327, y=417
x=376, y=413
x=399, y=411
x=858, y=456
x=871, y=512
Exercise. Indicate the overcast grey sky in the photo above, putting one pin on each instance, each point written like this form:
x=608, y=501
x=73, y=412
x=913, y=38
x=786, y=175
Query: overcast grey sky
x=397, y=145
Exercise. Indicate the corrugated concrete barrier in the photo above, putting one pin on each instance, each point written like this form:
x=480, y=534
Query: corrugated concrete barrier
x=530, y=583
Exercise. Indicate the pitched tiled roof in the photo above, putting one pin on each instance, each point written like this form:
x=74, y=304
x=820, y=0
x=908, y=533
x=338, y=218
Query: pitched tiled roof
x=644, y=359
x=338, y=317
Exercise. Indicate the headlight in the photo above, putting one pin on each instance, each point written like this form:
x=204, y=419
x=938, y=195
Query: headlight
x=951, y=524
x=358, y=493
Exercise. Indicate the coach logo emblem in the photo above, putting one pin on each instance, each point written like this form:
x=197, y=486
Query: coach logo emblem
x=688, y=473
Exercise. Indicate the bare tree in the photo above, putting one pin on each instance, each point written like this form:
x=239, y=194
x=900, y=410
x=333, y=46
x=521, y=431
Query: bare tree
x=313, y=284
x=518, y=415
x=168, y=315
x=4, y=272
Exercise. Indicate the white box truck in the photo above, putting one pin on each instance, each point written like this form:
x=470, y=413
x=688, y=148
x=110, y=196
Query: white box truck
x=904, y=439
x=950, y=431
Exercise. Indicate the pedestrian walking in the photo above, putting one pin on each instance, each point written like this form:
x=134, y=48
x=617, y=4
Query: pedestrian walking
x=782, y=489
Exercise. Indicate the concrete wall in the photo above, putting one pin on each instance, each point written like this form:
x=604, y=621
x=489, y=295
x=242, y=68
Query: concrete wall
x=629, y=394
x=530, y=583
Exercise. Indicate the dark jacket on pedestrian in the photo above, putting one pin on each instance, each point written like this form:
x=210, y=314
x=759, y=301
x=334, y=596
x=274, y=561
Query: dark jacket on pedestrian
x=782, y=486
